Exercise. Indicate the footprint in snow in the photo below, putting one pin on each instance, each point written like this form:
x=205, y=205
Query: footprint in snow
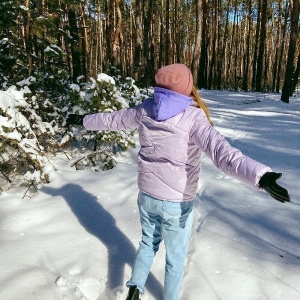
x=80, y=288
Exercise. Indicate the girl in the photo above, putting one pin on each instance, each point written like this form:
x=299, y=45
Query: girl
x=174, y=128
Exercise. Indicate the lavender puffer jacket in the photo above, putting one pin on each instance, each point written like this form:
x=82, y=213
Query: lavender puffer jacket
x=169, y=158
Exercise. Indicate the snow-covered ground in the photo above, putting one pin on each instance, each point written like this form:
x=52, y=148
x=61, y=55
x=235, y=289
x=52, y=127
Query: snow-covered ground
x=77, y=237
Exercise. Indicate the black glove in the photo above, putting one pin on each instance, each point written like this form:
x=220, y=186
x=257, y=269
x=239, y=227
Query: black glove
x=73, y=119
x=268, y=183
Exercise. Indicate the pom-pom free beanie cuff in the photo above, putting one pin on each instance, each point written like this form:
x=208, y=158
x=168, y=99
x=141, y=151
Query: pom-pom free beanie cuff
x=175, y=77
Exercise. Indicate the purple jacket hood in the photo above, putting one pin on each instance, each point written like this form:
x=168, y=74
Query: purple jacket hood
x=168, y=104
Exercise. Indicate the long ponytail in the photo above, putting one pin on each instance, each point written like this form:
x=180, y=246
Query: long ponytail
x=201, y=104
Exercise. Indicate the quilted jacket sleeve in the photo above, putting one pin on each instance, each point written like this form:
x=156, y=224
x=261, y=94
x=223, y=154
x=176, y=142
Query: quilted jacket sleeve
x=227, y=158
x=124, y=119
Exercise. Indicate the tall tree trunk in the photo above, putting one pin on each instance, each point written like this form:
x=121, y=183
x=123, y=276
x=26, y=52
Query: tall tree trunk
x=213, y=46
x=96, y=62
x=221, y=59
x=117, y=46
x=85, y=42
x=202, y=71
x=27, y=36
x=75, y=49
x=114, y=32
x=197, y=49
x=257, y=38
x=167, y=34
x=176, y=33
x=232, y=50
x=247, y=48
x=278, y=45
x=219, y=38
x=262, y=42
x=161, y=34
x=289, y=73
x=138, y=37
x=282, y=47
x=149, y=67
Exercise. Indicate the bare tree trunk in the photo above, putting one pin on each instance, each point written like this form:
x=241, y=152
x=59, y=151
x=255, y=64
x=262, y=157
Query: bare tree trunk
x=117, y=46
x=262, y=42
x=27, y=36
x=138, y=35
x=85, y=43
x=64, y=24
x=96, y=50
x=114, y=32
x=197, y=49
x=232, y=50
x=213, y=46
x=167, y=34
x=289, y=73
x=282, y=48
x=202, y=71
x=161, y=30
x=278, y=45
x=247, y=47
x=221, y=58
x=149, y=67
x=75, y=48
x=176, y=33
x=257, y=38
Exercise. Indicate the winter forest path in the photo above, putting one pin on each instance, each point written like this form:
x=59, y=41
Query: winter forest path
x=76, y=238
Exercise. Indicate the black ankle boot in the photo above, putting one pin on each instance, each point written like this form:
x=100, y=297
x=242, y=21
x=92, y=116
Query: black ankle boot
x=133, y=293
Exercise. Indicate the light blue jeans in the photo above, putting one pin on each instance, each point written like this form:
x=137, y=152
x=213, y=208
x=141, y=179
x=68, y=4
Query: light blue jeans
x=168, y=221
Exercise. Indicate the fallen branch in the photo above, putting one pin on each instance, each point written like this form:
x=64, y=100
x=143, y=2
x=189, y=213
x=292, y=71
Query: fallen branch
x=29, y=186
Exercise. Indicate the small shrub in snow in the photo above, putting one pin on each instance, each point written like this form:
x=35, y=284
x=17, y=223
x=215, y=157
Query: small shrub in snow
x=31, y=115
x=25, y=139
x=126, y=87
x=100, y=147
x=297, y=91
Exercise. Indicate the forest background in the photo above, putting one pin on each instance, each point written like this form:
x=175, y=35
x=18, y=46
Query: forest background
x=54, y=50
x=229, y=44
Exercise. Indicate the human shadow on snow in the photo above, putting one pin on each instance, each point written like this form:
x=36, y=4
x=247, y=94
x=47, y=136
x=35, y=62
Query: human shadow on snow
x=100, y=223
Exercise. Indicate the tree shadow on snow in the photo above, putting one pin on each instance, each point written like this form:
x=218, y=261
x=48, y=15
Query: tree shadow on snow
x=97, y=221
x=267, y=230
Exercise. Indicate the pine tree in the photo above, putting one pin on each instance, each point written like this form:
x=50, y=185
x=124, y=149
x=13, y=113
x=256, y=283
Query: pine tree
x=101, y=95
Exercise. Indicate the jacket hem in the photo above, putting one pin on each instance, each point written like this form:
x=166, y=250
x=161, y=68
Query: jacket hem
x=165, y=199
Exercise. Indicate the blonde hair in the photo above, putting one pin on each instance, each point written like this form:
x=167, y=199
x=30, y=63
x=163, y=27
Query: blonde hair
x=201, y=104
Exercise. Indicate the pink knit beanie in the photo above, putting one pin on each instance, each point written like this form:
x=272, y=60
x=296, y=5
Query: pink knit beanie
x=175, y=77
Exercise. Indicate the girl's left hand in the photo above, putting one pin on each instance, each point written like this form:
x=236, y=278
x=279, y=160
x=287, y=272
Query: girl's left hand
x=268, y=183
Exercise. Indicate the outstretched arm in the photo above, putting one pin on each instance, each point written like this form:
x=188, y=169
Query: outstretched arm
x=124, y=119
x=233, y=162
